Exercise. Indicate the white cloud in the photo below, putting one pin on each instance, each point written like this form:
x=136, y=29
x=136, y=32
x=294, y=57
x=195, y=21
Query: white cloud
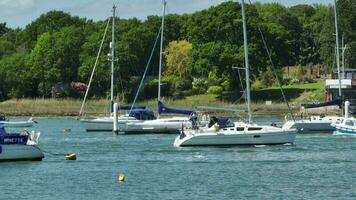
x=15, y=7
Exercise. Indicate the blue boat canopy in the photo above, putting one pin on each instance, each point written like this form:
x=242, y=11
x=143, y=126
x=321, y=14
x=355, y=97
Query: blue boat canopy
x=142, y=114
x=2, y=130
x=163, y=109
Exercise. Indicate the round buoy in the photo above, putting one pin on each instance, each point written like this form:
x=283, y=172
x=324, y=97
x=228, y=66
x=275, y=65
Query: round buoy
x=71, y=156
x=121, y=178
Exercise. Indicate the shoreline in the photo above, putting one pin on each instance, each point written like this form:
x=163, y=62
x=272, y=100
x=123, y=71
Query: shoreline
x=70, y=107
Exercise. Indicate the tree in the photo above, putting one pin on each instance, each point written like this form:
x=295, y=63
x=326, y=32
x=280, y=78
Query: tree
x=177, y=58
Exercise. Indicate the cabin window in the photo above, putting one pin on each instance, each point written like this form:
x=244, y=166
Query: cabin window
x=349, y=123
x=240, y=128
x=254, y=128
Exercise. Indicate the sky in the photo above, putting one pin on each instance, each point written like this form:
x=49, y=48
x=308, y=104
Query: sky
x=19, y=13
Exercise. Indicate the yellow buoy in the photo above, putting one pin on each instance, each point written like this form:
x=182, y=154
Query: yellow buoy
x=71, y=156
x=121, y=178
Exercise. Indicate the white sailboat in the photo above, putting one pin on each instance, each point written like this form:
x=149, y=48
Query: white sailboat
x=321, y=123
x=159, y=125
x=19, y=146
x=128, y=123
x=238, y=133
x=104, y=123
x=347, y=126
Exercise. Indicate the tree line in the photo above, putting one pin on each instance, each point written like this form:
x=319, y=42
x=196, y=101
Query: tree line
x=200, y=49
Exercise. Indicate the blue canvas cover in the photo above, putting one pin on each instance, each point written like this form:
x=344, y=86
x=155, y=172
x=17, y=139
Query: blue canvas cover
x=142, y=114
x=2, y=130
x=163, y=109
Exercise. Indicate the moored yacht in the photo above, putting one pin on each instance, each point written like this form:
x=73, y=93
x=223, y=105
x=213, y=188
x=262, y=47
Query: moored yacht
x=347, y=126
x=239, y=133
x=220, y=132
x=19, y=146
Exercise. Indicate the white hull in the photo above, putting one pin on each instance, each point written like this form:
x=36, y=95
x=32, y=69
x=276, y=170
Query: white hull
x=164, y=125
x=313, y=124
x=103, y=124
x=28, y=123
x=229, y=136
x=20, y=152
x=132, y=125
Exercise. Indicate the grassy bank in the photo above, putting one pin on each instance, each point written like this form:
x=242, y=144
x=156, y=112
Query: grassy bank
x=70, y=107
x=297, y=94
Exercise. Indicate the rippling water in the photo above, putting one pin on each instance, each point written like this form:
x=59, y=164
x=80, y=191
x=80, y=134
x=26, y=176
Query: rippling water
x=317, y=166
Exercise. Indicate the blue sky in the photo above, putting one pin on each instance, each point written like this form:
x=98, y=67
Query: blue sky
x=19, y=13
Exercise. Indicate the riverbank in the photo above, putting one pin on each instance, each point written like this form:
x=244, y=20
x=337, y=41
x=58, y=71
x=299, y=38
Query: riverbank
x=70, y=107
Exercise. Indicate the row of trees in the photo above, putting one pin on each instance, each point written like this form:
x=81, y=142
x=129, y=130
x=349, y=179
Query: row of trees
x=200, y=49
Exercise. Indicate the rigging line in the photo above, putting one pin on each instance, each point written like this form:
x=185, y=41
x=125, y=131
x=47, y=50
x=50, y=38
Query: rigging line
x=144, y=74
x=92, y=73
x=272, y=64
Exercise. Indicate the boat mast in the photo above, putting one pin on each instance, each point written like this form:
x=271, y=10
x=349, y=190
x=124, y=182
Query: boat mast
x=337, y=50
x=161, y=56
x=112, y=46
x=246, y=63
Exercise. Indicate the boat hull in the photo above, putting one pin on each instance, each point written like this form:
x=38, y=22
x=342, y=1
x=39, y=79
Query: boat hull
x=20, y=153
x=17, y=123
x=216, y=139
x=315, y=124
x=131, y=126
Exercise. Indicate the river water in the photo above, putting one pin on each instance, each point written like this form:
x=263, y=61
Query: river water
x=317, y=166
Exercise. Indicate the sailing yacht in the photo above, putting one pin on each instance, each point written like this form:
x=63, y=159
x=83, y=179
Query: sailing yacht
x=347, y=126
x=159, y=125
x=19, y=146
x=105, y=123
x=238, y=133
x=321, y=123
x=138, y=120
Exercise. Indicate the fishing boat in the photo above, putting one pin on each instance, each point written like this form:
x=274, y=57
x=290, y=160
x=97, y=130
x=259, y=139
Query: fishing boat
x=19, y=146
x=28, y=123
x=316, y=123
x=223, y=133
x=347, y=126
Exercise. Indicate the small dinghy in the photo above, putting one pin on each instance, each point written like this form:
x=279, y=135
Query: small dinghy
x=19, y=146
x=28, y=123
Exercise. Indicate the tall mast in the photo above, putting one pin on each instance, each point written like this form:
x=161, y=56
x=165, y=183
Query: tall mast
x=161, y=55
x=112, y=46
x=246, y=63
x=337, y=49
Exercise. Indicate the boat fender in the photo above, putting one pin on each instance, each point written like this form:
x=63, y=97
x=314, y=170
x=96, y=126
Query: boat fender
x=0, y=149
x=121, y=178
x=285, y=118
x=71, y=156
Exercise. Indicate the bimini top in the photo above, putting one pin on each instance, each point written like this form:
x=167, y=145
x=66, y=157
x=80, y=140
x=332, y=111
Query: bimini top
x=163, y=109
x=142, y=114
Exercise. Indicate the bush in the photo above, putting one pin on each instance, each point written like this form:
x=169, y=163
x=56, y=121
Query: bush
x=200, y=85
x=257, y=85
x=215, y=90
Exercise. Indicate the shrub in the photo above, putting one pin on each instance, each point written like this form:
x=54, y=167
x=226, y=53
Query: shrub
x=257, y=85
x=215, y=90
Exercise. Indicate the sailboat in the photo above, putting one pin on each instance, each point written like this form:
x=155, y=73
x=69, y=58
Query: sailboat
x=347, y=126
x=159, y=125
x=19, y=146
x=105, y=123
x=238, y=133
x=138, y=119
x=322, y=123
